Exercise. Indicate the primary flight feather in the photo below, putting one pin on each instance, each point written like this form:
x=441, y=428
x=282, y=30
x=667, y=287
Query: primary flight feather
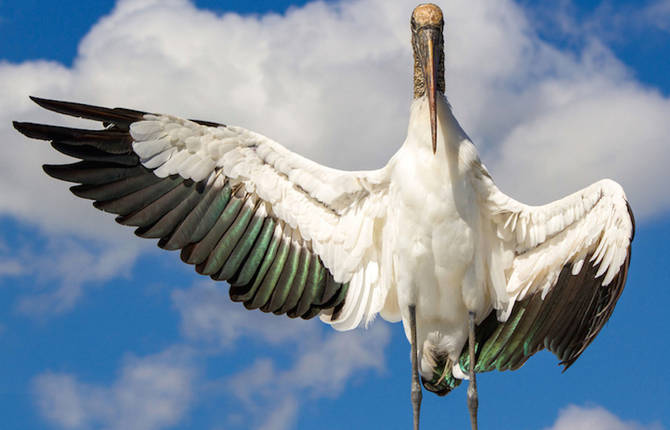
x=480, y=280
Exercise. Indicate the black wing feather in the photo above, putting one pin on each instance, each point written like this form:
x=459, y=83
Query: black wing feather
x=210, y=225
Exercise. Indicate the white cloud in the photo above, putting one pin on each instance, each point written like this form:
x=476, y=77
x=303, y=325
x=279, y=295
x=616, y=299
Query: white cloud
x=10, y=268
x=658, y=13
x=158, y=391
x=595, y=418
x=59, y=267
x=151, y=393
x=332, y=81
x=322, y=368
x=208, y=315
x=322, y=361
x=283, y=415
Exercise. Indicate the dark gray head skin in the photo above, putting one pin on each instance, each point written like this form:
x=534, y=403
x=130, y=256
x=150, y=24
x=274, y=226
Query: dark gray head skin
x=428, y=45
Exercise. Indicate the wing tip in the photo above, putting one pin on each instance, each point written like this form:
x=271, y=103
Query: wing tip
x=57, y=171
x=41, y=101
x=27, y=129
x=58, y=106
x=92, y=112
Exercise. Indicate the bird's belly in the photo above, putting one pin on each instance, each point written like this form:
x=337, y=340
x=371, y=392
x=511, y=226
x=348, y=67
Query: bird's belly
x=433, y=257
x=434, y=247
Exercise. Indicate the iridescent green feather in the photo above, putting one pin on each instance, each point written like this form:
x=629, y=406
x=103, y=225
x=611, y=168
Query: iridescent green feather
x=284, y=283
x=337, y=298
x=201, y=219
x=311, y=313
x=514, y=350
x=139, y=199
x=442, y=381
x=215, y=211
x=255, y=257
x=331, y=289
x=294, y=293
x=166, y=225
x=492, y=347
x=510, y=329
x=537, y=334
x=224, y=248
x=274, y=272
x=244, y=293
x=198, y=252
x=244, y=245
x=153, y=212
x=313, y=288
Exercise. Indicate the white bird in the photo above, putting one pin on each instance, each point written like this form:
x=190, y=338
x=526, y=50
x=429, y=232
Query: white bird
x=479, y=280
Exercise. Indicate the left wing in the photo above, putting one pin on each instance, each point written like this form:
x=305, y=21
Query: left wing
x=289, y=235
x=555, y=273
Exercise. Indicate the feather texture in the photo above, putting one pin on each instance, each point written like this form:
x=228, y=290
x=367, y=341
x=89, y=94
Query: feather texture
x=240, y=207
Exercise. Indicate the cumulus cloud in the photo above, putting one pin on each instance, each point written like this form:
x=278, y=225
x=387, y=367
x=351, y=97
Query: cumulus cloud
x=10, y=268
x=57, y=268
x=333, y=82
x=158, y=391
x=209, y=316
x=150, y=393
x=658, y=13
x=320, y=365
x=595, y=418
x=322, y=370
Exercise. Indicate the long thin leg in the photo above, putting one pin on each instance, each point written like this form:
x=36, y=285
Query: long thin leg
x=473, y=399
x=416, y=384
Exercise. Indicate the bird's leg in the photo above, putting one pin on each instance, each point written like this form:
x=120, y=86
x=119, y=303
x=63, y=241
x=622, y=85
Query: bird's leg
x=416, y=384
x=473, y=399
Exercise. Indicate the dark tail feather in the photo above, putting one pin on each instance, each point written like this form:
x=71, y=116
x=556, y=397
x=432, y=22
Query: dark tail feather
x=442, y=381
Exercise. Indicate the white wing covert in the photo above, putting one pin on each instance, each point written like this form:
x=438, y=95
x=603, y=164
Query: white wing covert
x=289, y=235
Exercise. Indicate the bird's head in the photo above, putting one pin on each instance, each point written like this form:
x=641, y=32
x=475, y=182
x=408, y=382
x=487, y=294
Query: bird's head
x=428, y=45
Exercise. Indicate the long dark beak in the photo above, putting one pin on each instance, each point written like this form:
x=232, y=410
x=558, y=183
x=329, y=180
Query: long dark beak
x=428, y=45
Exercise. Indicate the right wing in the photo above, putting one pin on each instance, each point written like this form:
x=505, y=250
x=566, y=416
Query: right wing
x=289, y=235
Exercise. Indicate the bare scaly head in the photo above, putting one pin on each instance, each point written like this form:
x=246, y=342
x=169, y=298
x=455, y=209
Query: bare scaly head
x=428, y=44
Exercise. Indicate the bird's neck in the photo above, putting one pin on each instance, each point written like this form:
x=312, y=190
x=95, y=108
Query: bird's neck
x=419, y=79
x=450, y=135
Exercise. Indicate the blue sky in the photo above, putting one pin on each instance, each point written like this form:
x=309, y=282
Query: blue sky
x=101, y=330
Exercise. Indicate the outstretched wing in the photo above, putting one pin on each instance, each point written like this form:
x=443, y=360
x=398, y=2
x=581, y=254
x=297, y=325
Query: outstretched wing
x=557, y=271
x=555, y=274
x=289, y=235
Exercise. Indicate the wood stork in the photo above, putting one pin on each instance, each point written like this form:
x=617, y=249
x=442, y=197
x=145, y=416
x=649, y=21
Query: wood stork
x=428, y=239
